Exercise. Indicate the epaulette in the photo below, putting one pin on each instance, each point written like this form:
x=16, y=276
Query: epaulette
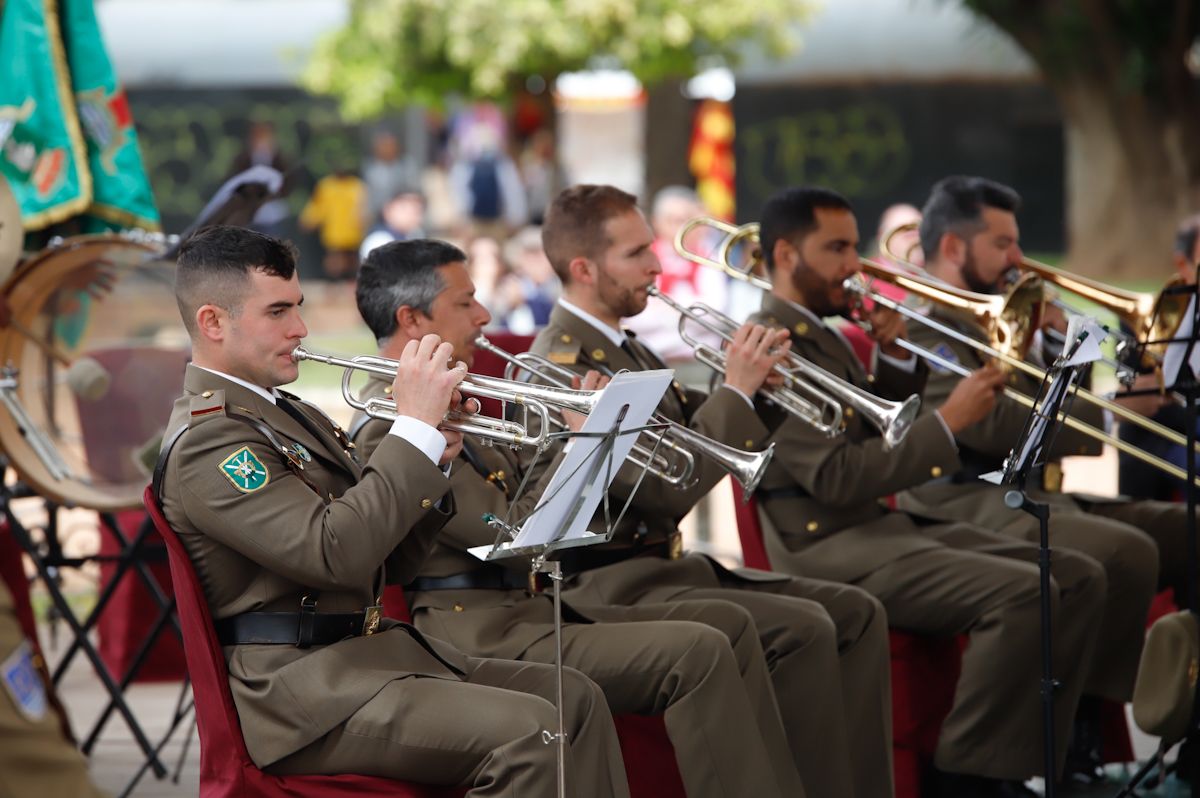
x=565, y=350
x=209, y=404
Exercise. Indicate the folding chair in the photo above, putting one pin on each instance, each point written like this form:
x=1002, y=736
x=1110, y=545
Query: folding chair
x=226, y=770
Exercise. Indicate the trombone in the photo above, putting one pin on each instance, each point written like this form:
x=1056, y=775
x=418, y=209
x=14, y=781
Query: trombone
x=892, y=419
x=532, y=398
x=997, y=313
x=748, y=468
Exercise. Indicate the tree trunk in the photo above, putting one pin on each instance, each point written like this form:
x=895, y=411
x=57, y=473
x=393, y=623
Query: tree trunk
x=1131, y=178
x=668, y=131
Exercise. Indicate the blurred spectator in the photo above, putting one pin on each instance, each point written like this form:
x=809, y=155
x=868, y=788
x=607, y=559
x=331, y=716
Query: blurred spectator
x=906, y=244
x=402, y=218
x=387, y=173
x=541, y=173
x=336, y=210
x=683, y=280
x=527, y=294
x=487, y=270
x=262, y=149
x=488, y=186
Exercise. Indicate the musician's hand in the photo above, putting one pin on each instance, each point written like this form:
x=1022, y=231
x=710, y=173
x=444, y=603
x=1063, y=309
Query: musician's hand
x=1147, y=404
x=753, y=354
x=454, y=439
x=592, y=381
x=424, y=384
x=1053, y=318
x=887, y=326
x=973, y=398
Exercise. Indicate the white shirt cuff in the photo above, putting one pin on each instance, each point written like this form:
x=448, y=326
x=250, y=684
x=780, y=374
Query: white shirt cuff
x=740, y=393
x=942, y=421
x=421, y=435
x=908, y=366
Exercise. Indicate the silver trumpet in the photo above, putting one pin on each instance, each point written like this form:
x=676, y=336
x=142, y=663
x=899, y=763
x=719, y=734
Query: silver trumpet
x=531, y=398
x=679, y=440
x=892, y=419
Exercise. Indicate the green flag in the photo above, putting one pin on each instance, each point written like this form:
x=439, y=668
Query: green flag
x=67, y=143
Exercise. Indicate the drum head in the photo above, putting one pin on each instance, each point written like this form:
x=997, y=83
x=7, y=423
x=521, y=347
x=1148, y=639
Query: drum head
x=12, y=233
x=99, y=354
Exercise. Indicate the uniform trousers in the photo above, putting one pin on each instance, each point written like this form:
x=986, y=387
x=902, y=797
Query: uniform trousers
x=826, y=650
x=987, y=586
x=484, y=733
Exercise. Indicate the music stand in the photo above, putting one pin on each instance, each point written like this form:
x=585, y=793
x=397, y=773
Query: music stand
x=590, y=461
x=1050, y=407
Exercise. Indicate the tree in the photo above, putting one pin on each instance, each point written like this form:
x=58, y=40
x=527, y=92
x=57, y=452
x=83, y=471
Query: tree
x=1124, y=74
x=393, y=53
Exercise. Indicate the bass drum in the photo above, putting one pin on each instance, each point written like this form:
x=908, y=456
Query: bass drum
x=98, y=351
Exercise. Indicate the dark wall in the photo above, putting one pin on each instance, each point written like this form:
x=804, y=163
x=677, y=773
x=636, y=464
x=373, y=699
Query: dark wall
x=881, y=144
x=189, y=138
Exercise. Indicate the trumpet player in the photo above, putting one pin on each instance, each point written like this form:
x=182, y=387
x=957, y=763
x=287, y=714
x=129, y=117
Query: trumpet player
x=824, y=496
x=971, y=239
x=826, y=644
x=697, y=663
x=293, y=539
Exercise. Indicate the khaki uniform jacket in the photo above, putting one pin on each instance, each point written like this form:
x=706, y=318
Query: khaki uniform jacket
x=983, y=446
x=724, y=416
x=502, y=623
x=266, y=547
x=823, y=493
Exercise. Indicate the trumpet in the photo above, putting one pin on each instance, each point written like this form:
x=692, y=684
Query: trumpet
x=892, y=419
x=748, y=468
x=676, y=470
x=532, y=398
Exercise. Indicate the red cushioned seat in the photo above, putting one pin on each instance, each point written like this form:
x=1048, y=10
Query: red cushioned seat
x=226, y=770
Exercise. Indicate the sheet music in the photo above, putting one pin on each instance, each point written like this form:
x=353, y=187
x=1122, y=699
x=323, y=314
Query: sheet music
x=1173, y=359
x=637, y=394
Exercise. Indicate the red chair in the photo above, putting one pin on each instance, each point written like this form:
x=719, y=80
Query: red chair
x=924, y=671
x=226, y=770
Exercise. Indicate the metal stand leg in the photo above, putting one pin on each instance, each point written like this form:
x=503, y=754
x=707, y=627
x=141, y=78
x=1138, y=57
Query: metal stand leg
x=553, y=569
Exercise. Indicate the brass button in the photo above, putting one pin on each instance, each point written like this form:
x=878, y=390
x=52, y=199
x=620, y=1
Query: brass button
x=207, y=394
x=388, y=390
x=936, y=471
x=566, y=339
x=749, y=443
x=458, y=607
x=870, y=378
x=426, y=504
x=801, y=328
x=598, y=354
x=500, y=475
x=812, y=526
x=848, y=412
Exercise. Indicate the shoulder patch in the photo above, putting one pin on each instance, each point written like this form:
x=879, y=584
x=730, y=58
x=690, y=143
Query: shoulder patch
x=945, y=352
x=207, y=405
x=245, y=471
x=564, y=350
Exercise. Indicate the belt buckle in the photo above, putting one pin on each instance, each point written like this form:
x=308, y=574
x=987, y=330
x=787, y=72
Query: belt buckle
x=371, y=618
x=675, y=545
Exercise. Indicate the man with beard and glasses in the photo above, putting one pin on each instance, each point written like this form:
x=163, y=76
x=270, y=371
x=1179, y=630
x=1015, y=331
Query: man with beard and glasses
x=971, y=240
x=826, y=644
x=697, y=663
x=824, y=499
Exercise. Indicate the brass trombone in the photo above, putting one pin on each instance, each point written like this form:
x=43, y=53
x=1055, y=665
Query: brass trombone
x=892, y=419
x=988, y=307
x=534, y=398
x=748, y=468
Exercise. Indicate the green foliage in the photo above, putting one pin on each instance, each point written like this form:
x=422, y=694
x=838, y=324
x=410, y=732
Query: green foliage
x=396, y=52
x=1140, y=46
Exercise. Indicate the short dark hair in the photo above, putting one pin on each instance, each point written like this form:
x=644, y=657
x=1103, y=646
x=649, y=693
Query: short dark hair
x=956, y=206
x=793, y=212
x=401, y=273
x=574, y=224
x=214, y=264
x=1186, y=236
